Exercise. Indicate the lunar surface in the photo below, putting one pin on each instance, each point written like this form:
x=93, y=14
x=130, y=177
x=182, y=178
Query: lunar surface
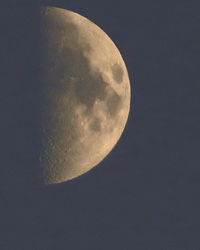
x=86, y=93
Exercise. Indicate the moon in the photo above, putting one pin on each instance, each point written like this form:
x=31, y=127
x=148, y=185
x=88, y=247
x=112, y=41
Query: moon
x=86, y=94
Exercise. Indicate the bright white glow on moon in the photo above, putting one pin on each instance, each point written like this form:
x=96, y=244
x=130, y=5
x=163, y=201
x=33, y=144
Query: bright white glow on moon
x=87, y=94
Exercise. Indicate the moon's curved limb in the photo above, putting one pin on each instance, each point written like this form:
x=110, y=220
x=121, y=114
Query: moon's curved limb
x=87, y=94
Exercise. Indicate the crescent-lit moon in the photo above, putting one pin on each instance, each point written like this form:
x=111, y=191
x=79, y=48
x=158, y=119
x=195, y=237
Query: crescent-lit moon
x=87, y=94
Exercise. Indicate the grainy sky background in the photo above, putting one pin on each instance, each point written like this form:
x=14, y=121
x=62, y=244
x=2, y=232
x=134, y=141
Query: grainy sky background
x=145, y=194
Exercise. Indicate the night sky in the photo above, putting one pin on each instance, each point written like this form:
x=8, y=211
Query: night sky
x=145, y=194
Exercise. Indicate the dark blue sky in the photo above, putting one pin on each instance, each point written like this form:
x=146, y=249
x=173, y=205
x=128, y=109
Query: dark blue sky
x=145, y=194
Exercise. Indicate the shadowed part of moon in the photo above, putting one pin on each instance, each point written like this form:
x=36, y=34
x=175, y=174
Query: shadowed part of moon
x=85, y=110
x=117, y=72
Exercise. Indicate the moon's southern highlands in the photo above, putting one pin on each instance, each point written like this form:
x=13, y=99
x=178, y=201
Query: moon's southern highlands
x=86, y=93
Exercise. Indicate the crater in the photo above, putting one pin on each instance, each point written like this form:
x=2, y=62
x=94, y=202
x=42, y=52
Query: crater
x=117, y=73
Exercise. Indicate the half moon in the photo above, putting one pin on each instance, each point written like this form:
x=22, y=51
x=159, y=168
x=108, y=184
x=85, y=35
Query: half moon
x=86, y=94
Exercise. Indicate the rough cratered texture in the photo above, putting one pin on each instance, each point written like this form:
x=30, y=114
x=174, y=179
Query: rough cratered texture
x=85, y=108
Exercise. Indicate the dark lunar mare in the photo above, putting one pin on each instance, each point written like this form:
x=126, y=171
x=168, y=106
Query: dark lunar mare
x=117, y=73
x=72, y=63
